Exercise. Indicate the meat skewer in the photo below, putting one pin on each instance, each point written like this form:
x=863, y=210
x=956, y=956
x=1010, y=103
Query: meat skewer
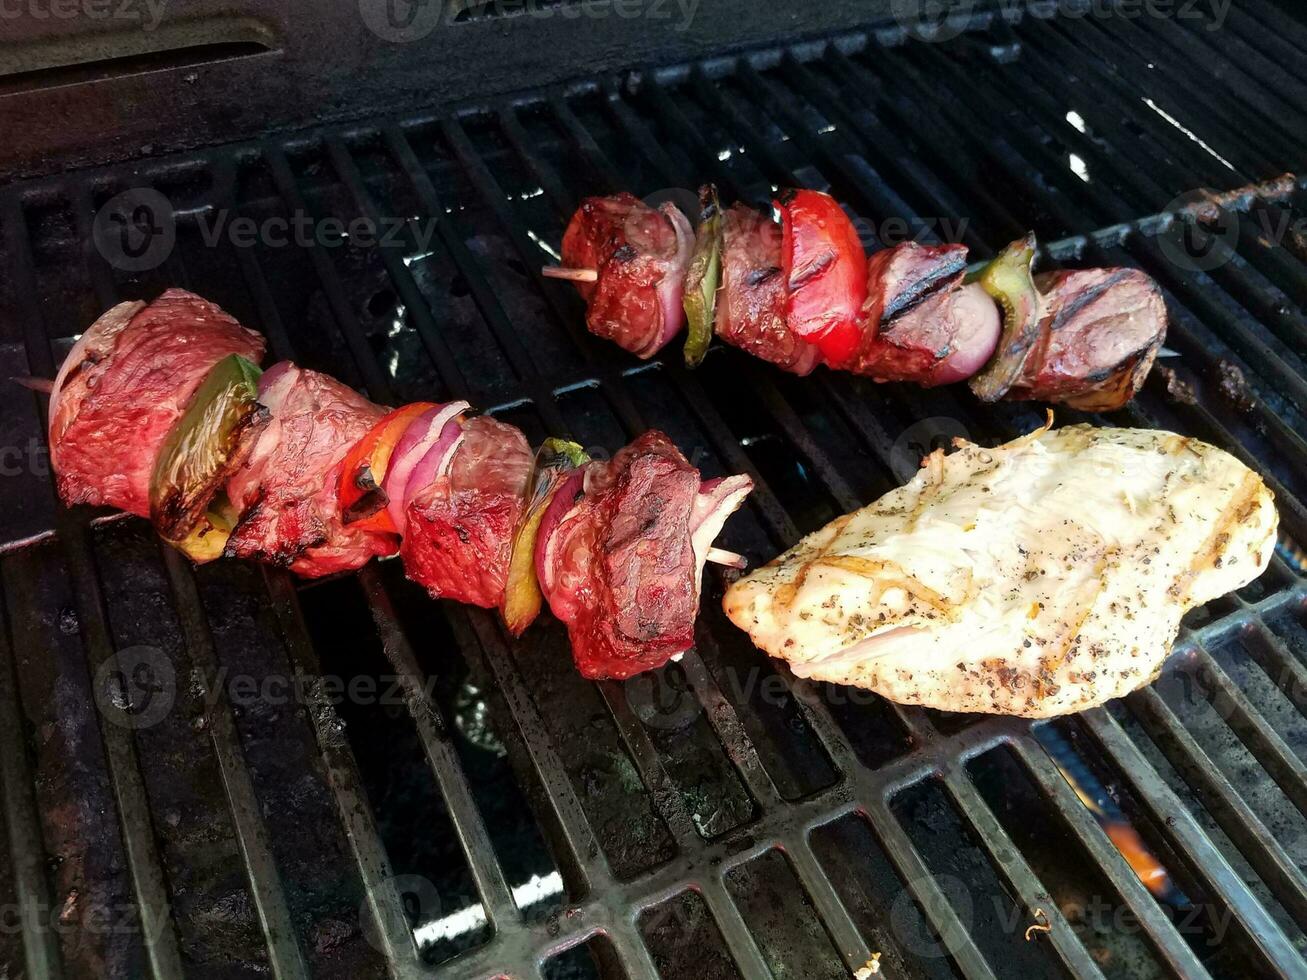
x=160, y=409
x=799, y=291
x=629, y=261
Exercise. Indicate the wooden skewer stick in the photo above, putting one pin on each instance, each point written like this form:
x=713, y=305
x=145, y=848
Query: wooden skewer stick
x=572, y=275
x=43, y=385
x=720, y=556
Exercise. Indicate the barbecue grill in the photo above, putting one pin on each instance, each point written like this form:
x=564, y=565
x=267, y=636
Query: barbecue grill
x=220, y=772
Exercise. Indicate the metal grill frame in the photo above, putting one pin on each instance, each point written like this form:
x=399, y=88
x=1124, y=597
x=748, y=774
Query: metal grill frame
x=609, y=907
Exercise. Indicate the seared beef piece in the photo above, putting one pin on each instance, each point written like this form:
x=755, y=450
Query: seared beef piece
x=621, y=567
x=125, y=384
x=751, y=305
x=287, y=488
x=1099, y=333
x=460, y=528
x=922, y=324
x=641, y=256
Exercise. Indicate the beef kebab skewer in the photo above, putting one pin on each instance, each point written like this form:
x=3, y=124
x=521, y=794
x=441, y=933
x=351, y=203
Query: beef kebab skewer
x=161, y=410
x=800, y=292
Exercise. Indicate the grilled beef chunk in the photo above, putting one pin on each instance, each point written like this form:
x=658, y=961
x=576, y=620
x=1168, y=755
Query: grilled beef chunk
x=622, y=566
x=123, y=386
x=1099, y=333
x=922, y=325
x=287, y=488
x=459, y=534
x=751, y=307
x=641, y=256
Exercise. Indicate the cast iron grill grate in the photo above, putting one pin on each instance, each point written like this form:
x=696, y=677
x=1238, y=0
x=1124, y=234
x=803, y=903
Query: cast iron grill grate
x=720, y=819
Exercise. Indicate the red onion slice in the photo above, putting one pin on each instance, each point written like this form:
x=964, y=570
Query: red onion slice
x=671, y=291
x=436, y=462
x=979, y=327
x=560, y=505
x=717, y=501
x=423, y=433
x=273, y=375
x=102, y=334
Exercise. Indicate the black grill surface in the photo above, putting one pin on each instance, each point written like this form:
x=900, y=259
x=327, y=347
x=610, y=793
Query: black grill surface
x=225, y=773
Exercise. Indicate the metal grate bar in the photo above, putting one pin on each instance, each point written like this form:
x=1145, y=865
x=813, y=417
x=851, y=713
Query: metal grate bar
x=390, y=932
x=1264, y=24
x=1202, y=854
x=1266, y=76
x=148, y=882
x=830, y=907
x=735, y=931
x=392, y=936
x=1263, y=742
x=726, y=723
x=493, y=195
x=266, y=890
x=26, y=849
x=471, y=829
x=414, y=302
x=1280, y=665
x=1243, y=157
x=373, y=377
x=917, y=877
x=878, y=195
x=1007, y=858
x=284, y=955
x=492, y=889
x=1240, y=823
x=1040, y=76
x=666, y=796
x=1194, y=52
x=588, y=866
x=1165, y=938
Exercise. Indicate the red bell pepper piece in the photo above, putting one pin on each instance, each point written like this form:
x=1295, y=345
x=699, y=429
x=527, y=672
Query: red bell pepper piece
x=825, y=268
x=359, y=495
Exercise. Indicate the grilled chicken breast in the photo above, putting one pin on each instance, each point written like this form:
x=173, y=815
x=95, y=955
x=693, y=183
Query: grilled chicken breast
x=1041, y=577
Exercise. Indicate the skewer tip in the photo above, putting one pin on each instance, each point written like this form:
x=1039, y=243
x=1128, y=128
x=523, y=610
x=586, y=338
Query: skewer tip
x=43, y=385
x=720, y=556
x=572, y=275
